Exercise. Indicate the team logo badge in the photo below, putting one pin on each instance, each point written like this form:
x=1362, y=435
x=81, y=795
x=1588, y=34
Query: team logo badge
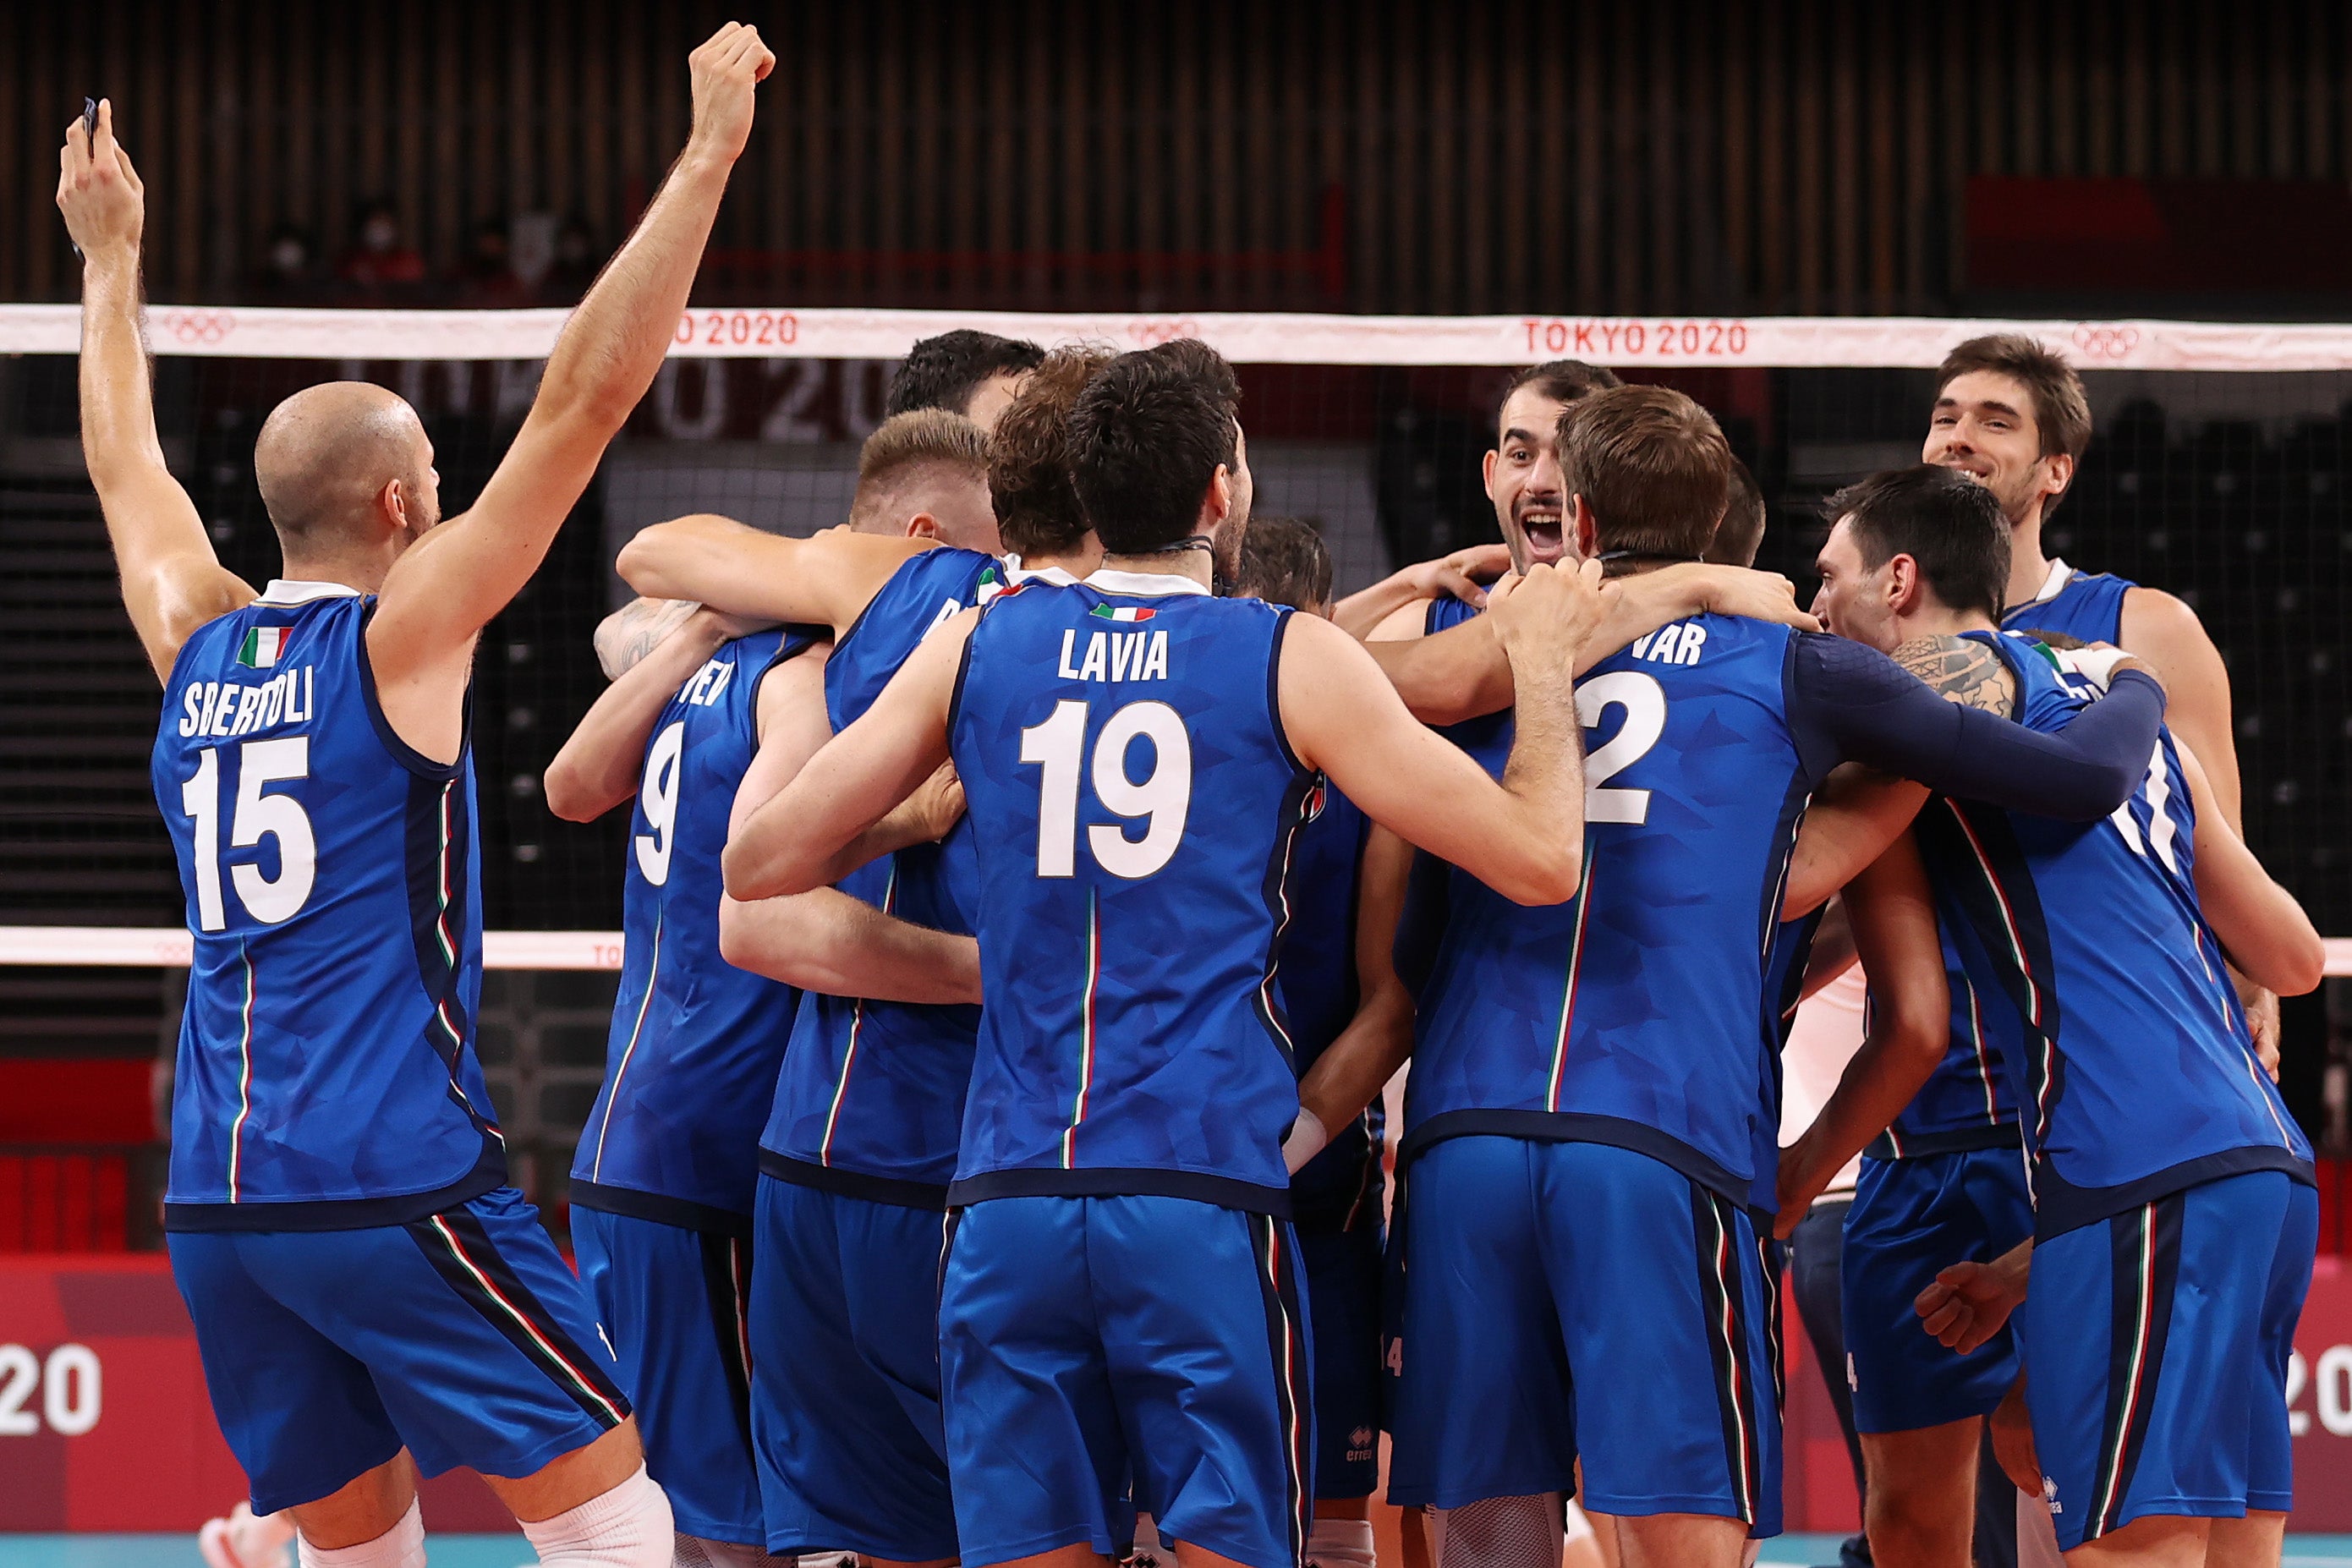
x=263, y=647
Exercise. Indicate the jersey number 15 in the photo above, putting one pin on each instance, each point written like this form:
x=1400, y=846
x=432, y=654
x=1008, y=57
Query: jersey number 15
x=261, y=764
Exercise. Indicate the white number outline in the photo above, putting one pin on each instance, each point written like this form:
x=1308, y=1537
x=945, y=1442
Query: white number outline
x=1644, y=702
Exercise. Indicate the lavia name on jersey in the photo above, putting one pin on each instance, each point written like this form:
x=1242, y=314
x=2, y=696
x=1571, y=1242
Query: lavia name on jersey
x=229, y=709
x=1117, y=655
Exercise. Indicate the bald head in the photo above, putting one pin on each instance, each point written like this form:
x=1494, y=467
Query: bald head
x=325, y=459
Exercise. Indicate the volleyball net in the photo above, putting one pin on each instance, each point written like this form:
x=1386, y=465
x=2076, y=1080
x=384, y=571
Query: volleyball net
x=2216, y=472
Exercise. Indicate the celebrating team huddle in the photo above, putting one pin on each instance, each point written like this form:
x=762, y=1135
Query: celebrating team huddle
x=1032, y=883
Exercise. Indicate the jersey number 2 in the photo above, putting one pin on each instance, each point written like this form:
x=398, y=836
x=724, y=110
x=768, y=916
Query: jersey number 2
x=1644, y=702
x=261, y=764
x=1162, y=797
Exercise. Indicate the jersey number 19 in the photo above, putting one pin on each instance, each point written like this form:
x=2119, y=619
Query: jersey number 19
x=1161, y=799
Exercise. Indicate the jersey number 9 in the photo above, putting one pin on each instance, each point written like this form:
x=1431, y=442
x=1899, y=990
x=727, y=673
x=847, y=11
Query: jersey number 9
x=1161, y=798
x=658, y=798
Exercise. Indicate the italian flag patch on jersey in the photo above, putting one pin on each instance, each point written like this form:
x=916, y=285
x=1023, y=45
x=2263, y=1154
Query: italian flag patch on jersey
x=263, y=647
x=1123, y=613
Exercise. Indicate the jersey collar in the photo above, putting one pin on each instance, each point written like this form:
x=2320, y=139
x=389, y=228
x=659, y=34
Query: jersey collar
x=283, y=592
x=1146, y=584
x=2053, y=584
x=1018, y=573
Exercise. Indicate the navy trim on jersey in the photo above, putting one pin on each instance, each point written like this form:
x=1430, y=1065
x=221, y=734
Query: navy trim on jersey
x=461, y=1251
x=1274, y=687
x=2060, y=1206
x=2145, y=1251
x=681, y=1213
x=1276, y=889
x=438, y=835
x=1113, y=1182
x=1577, y=1127
x=2005, y=1134
x=408, y=756
x=488, y=1175
x=895, y=1191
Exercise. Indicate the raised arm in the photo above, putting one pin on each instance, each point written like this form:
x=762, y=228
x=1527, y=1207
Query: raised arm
x=1461, y=672
x=1523, y=837
x=789, y=844
x=171, y=581
x=828, y=580
x=1892, y=911
x=443, y=591
x=2263, y=929
x=1354, y=1068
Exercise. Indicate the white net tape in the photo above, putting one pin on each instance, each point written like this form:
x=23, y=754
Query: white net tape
x=1648, y=341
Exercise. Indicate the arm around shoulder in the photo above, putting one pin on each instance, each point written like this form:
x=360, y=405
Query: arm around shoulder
x=2166, y=632
x=2263, y=929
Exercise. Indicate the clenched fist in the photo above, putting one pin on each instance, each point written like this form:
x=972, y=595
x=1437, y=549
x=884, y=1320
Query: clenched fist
x=104, y=204
x=725, y=69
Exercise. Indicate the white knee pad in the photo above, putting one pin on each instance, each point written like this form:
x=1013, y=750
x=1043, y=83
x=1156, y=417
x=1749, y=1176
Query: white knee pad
x=628, y=1527
x=402, y=1546
x=1501, y=1533
x=1340, y=1543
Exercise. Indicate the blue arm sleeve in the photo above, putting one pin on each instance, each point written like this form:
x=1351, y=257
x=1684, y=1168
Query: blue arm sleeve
x=1852, y=704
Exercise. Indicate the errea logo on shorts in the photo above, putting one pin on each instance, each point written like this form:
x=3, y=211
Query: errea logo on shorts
x=2050, y=1496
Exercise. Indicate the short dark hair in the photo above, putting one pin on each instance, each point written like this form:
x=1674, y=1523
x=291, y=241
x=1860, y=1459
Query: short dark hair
x=1037, y=509
x=1651, y=466
x=1741, y=533
x=943, y=372
x=2062, y=415
x=1147, y=436
x=1285, y=561
x=1561, y=380
x=1940, y=517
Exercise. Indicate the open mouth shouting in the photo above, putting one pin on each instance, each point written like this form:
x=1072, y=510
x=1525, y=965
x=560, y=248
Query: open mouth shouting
x=1540, y=525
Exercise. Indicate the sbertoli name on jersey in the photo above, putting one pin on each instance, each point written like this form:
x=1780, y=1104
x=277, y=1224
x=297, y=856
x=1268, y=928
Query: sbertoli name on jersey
x=228, y=709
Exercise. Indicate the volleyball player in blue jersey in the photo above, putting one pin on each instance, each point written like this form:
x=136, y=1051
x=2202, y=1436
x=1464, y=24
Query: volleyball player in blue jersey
x=370, y=1298
x=2174, y=1219
x=2013, y=415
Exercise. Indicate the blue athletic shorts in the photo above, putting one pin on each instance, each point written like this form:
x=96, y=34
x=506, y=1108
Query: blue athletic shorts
x=1343, y=1302
x=462, y=1337
x=1566, y=1294
x=2155, y=1353
x=1911, y=1218
x=1085, y=1340
x=846, y=1376
x=676, y=1305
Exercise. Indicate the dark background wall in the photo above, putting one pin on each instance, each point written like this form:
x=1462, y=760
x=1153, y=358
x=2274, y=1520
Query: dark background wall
x=1808, y=155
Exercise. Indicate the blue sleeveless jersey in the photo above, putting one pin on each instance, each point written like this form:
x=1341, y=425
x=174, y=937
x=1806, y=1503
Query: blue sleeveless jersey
x=1316, y=985
x=691, y=1061
x=1138, y=807
x=2085, y=605
x=870, y=1099
x=1637, y=1013
x=2125, y=1048
x=327, y=1072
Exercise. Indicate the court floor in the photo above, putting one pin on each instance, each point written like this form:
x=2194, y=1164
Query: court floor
x=513, y=1551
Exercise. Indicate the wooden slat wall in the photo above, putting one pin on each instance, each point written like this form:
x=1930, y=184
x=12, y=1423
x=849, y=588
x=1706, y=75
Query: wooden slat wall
x=1784, y=154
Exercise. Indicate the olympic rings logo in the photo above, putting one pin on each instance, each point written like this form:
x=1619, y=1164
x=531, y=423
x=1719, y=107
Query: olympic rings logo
x=1152, y=334
x=200, y=326
x=2105, y=342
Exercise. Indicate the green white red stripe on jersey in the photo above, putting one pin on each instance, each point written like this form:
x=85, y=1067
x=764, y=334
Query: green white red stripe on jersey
x=1129, y=612
x=1568, y=991
x=1087, y=1030
x=263, y=647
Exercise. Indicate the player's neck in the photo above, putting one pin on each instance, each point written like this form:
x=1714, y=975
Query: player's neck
x=352, y=572
x=2028, y=568
x=1936, y=623
x=1197, y=564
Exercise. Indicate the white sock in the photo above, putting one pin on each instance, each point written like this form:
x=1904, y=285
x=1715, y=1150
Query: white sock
x=402, y=1546
x=1340, y=1543
x=628, y=1527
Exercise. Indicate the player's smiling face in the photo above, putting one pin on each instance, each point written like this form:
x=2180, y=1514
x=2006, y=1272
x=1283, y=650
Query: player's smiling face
x=1523, y=477
x=1852, y=600
x=1983, y=425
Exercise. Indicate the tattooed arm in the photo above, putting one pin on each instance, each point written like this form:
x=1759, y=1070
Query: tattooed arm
x=635, y=629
